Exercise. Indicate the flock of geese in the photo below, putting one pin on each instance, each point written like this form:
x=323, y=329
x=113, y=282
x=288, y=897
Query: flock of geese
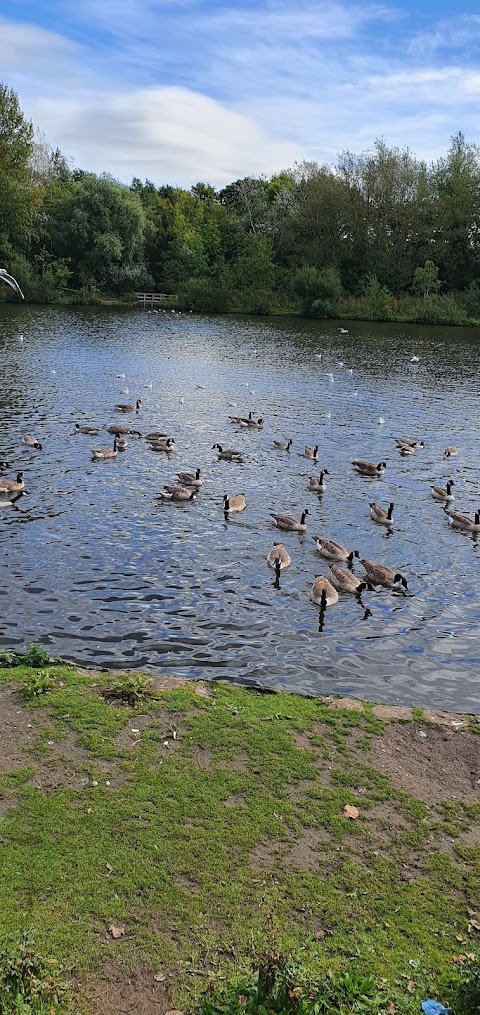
x=187, y=485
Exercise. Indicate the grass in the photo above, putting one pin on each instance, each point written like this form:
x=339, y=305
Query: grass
x=223, y=813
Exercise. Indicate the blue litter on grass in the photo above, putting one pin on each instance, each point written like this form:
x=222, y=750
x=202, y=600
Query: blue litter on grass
x=434, y=1008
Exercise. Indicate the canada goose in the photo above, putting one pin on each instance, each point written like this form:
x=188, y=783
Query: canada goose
x=368, y=468
x=323, y=592
x=9, y=486
x=10, y=501
x=234, y=504
x=190, y=478
x=228, y=454
x=290, y=524
x=406, y=442
x=310, y=452
x=32, y=442
x=345, y=581
x=129, y=408
x=451, y=451
x=380, y=515
x=331, y=550
x=103, y=454
x=254, y=424
x=278, y=557
x=439, y=493
x=282, y=445
x=406, y=449
x=5, y=465
x=317, y=484
x=377, y=574
x=90, y=431
x=122, y=443
x=463, y=522
x=116, y=430
x=177, y=493
x=243, y=420
x=155, y=436
x=167, y=446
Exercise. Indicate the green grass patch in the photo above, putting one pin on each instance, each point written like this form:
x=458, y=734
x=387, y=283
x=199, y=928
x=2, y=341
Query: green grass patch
x=193, y=822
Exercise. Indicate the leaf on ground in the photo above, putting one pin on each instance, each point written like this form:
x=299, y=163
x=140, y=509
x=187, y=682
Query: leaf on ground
x=471, y=956
x=160, y=977
x=350, y=811
x=391, y=1008
x=473, y=925
x=459, y=959
x=116, y=930
x=411, y=986
x=472, y=912
x=458, y=937
x=173, y=1011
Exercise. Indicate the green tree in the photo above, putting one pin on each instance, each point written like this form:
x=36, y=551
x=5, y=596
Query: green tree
x=456, y=213
x=376, y=299
x=425, y=280
x=17, y=193
x=100, y=226
x=319, y=290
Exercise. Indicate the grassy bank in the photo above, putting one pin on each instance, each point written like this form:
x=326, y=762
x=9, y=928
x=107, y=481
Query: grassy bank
x=155, y=833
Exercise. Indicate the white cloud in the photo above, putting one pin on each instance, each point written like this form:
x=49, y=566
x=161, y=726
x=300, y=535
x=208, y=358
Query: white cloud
x=30, y=53
x=182, y=90
x=170, y=135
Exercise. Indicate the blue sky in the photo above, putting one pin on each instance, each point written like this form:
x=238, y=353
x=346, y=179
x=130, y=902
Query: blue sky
x=186, y=90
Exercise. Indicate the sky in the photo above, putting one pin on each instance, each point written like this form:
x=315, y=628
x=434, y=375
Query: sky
x=178, y=91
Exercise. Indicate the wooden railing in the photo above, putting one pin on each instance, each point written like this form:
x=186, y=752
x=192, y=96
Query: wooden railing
x=154, y=299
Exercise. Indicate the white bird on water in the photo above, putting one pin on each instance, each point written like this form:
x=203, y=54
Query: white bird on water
x=415, y=359
x=10, y=280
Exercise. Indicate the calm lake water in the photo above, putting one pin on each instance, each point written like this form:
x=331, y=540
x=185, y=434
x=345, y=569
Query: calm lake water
x=97, y=570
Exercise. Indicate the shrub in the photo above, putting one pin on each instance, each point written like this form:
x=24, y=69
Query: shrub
x=466, y=1000
x=131, y=688
x=27, y=984
x=37, y=684
x=8, y=658
x=376, y=300
x=279, y=986
x=36, y=656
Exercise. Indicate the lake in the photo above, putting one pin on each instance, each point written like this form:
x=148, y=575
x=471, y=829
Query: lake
x=99, y=571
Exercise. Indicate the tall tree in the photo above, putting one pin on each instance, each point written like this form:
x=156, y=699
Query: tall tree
x=17, y=195
x=456, y=212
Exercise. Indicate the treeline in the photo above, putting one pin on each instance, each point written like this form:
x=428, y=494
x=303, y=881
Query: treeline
x=382, y=235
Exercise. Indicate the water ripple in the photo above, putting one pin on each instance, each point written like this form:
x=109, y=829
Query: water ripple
x=100, y=572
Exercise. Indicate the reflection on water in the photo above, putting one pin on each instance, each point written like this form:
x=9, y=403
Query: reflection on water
x=100, y=572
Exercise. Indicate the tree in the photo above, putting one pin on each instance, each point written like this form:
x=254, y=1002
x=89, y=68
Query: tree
x=456, y=213
x=377, y=300
x=426, y=280
x=100, y=226
x=17, y=195
x=319, y=290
